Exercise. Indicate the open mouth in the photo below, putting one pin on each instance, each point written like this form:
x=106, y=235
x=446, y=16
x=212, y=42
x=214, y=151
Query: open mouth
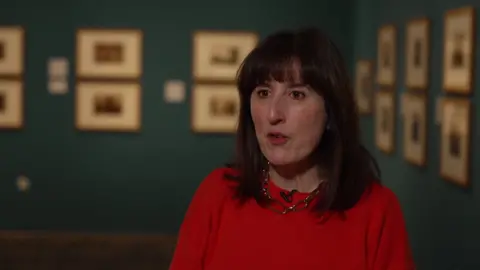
x=276, y=135
x=277, y=138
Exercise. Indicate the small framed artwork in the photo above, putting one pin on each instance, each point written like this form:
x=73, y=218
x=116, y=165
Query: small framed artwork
x=11, y=51
x=386, y=55
x=414, y=128
x=218, y=55
x=11, y=104
x=455, y=140
x=417, y=54
x=215, y=108
x=102, y=106
x=364, y=86
x=109, y=53
x=385, y=120
x=458, y=50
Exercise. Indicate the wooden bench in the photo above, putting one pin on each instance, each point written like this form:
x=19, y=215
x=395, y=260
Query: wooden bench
x=31, y=250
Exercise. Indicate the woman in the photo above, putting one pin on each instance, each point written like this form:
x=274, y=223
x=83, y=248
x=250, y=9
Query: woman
x=303, y=193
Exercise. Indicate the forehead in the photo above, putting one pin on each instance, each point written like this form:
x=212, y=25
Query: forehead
x=287, y=72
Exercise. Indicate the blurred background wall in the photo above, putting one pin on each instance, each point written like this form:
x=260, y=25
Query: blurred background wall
x=443, y=219
x=106, y=182
x=126, y=182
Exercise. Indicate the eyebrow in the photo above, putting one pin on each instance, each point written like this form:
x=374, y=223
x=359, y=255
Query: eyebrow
x=298, y=85
x=290, y=84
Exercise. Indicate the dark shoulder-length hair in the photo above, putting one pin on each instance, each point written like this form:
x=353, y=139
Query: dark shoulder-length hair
x=349, y=168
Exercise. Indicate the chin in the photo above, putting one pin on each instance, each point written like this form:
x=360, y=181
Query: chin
x=281, y=160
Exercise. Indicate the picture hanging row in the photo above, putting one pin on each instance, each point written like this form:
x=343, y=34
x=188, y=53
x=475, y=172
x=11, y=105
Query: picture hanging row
x=108, y=71
x=454, y=117
x=457, y=78
x=459, y=37
x=217, y=55
x=11, y=77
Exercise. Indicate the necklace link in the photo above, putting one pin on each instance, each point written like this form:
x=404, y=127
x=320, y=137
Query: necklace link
x=301, y=205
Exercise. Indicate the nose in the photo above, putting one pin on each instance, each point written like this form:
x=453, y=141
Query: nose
x=276, y=113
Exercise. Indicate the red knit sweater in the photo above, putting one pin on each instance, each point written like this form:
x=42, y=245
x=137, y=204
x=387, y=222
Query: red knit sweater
x=219, y=234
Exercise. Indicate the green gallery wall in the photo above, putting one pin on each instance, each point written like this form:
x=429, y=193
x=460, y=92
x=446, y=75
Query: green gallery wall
x=443, y=219
x=107, y=182
x=125, y=182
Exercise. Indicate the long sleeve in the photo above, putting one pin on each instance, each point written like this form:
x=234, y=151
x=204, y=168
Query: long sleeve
x=198, y=224
x=388, y=241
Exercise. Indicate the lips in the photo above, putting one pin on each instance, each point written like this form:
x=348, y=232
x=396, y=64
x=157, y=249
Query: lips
x=277, y=138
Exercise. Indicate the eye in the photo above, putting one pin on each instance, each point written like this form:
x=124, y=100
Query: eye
x=295, y=94
x=262, y=93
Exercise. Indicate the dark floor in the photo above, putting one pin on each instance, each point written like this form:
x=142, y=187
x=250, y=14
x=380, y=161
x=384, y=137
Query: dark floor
x=70, y=251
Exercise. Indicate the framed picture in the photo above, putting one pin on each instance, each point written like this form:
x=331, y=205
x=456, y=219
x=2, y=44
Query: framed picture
x=386, y=55
x=109, y=53
x=108, y=106
x=218, y=55
x=11, y=51
x=417, y=54
x=364, y=86
x=414, y=128
x=215, y=108
x=455, y=140
x=385, y=121
x=458, y=50
x=11, y=104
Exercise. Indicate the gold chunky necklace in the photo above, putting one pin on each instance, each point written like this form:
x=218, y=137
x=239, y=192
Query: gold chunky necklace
x=302, y=204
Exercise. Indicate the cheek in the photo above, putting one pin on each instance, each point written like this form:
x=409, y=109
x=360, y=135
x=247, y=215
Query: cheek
x=312, y=124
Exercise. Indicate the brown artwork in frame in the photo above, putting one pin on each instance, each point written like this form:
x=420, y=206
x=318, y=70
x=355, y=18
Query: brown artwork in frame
x=455, y=140
x=215, y=108
x=458, y=50
x=108, y=106
x=11, y=104
x=2, y=50
x=417, y=51
x=12, y=56
x=114, y=54
x=364, y=86
x=3, y=102
x=385, y=120
x=109, y=53
x=217, y=55
x=386, y=55
x=414, y=128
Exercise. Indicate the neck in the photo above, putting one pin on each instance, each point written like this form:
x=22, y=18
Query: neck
x=301, y=177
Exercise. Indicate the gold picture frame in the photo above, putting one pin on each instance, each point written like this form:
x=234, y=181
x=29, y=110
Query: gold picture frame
x=417, y=52
x=217, y=55
x=11, y=104
x=387, y=55
x=107, y=106
x=385, y=121
x=415, y=128
x=12, y=54
x=109, y=53
x=364, y=86
x=458, y=50
x=215, y=108
x=455, y=140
